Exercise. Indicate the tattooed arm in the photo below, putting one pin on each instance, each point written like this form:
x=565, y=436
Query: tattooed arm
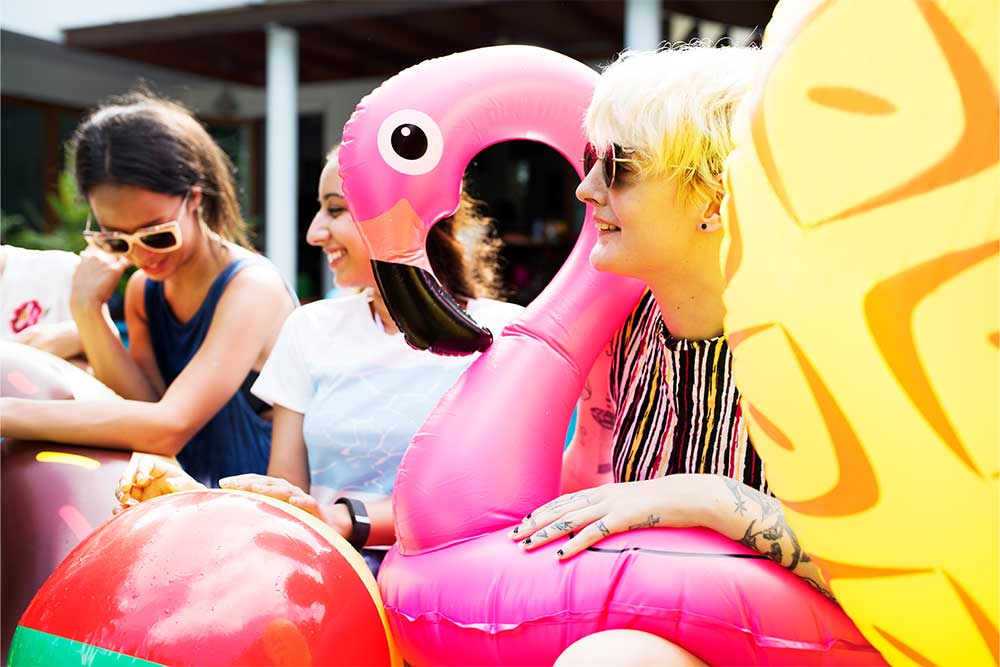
x=755, y=520
x=587, y=461
x=675, y=501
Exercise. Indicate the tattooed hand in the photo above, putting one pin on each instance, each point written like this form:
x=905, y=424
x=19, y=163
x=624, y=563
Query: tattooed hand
x=589, y=516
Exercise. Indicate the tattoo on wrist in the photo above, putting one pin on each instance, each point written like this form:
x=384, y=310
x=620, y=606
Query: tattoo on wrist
x=604, y=529
x=650, y=521
x=768, y=534
x=736, y=489
x=587, y=391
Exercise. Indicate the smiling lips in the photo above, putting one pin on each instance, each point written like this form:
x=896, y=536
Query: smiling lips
x=154, y=267
x=607, y=227
x=334, y=256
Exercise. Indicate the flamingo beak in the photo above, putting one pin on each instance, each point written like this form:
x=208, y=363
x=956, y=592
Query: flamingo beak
x=425, y=312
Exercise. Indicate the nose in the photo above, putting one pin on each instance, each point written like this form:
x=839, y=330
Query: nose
x=138, y=255
x=319, y=229
x=592, y=189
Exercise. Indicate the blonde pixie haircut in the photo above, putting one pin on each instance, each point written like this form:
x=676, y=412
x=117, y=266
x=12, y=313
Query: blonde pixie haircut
x=671, y=111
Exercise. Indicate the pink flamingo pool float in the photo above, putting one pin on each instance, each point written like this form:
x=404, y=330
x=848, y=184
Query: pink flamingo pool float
x=457, y=590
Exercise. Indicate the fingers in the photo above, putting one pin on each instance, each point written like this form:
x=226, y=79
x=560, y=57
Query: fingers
x=551, y=511
x=118, y=509
x=589, y=536
x=124, y=488
x=307, y=503
x=273, y=487
x=567, y=524
x=147, y=477
x=243, y=482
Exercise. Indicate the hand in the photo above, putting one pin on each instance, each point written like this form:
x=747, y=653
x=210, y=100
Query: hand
x=590, y=515
x=336, y=516
x=96, y=277
x=59, y=338
x=148, y=476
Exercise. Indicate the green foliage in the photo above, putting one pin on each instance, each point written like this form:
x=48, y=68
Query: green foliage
x=71, y=212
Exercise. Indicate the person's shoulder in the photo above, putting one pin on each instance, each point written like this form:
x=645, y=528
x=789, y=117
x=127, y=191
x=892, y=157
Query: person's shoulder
x=493, y=313
x=259, y=277
x=328, y=315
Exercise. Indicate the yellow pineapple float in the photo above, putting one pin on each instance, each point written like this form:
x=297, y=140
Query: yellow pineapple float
x=862, y=268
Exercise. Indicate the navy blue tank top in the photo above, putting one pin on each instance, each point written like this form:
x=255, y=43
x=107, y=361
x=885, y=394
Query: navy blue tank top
x=236, y=440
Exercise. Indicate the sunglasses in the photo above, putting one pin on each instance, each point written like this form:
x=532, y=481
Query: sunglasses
x=156, y=238
x=609, y=161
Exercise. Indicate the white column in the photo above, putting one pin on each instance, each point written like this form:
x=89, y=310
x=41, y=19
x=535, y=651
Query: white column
x=333, y=128
x=643, y=20
x=282, y=173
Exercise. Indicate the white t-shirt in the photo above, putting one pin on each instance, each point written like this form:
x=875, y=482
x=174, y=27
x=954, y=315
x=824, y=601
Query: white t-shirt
x=34, y=288
x=364, y=393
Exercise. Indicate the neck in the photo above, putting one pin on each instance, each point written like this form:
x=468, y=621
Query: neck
x=211, y=257
x=380, y=311
x=691, y=305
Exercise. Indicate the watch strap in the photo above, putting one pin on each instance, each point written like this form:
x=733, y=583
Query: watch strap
x=361, y=525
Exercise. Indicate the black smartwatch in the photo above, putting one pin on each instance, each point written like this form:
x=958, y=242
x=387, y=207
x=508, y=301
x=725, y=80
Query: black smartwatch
x=361, y=525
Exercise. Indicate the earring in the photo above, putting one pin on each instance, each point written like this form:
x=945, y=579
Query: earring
x=710, y=227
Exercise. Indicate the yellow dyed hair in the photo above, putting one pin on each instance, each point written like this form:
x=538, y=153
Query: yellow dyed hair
x=671, y=111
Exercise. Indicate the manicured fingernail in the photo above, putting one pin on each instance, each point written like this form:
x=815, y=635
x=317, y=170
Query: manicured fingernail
x=514, y=532
x=527, y=517
x=527, y=542
x=571, y=534
x=560, y=553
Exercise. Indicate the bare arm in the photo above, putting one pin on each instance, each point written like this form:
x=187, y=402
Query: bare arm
x=245, y=325
x=587, y=461
x=93, y=283
x=59, y=338
x=675, y=501
x=289, y=457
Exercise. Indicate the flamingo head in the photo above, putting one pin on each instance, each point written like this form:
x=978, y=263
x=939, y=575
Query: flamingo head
x=404, y=154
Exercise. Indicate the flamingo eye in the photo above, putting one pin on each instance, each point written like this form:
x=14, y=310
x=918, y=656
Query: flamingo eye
x=410, y=142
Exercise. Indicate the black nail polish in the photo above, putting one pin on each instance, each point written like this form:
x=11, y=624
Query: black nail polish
x=528, y=517
x=559, y=553
x=516, y=529
x=571, y=534
x=527, y=541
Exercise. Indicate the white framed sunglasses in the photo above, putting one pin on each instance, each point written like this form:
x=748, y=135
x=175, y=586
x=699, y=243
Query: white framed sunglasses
x=155, y=238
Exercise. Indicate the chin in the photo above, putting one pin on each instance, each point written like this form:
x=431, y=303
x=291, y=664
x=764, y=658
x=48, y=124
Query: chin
x=607, y=262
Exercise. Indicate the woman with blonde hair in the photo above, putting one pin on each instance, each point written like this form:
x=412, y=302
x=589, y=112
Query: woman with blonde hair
x=348, y=392
x=660, y=419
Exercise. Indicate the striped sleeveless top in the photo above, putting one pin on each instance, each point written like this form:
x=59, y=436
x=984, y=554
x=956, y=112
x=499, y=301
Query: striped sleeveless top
x=677, y=407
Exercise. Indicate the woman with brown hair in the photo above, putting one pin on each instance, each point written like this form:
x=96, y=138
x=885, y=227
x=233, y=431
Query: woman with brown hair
x=203, y=310
x=348, y=392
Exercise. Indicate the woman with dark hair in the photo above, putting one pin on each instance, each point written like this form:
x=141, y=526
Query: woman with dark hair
x=348, y=392
x=203, y=311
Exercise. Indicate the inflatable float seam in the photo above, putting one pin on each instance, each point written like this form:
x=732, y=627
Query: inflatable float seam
x=559, y=618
